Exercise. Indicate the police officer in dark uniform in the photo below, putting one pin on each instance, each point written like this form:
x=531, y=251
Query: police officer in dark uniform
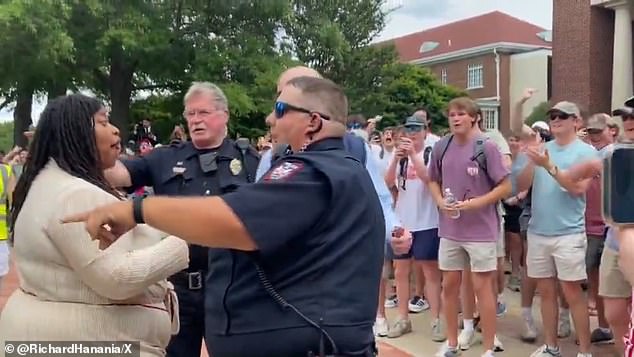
x=306, y=241
x=210, y=164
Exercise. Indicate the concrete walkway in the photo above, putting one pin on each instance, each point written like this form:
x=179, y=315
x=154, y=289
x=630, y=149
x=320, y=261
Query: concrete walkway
x=419, y=344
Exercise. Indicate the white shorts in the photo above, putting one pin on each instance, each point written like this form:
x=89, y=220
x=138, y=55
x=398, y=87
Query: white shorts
x=563, y=257
x=4, y=258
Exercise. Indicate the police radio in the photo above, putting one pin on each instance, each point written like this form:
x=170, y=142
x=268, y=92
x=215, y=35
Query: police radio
x=618, y=185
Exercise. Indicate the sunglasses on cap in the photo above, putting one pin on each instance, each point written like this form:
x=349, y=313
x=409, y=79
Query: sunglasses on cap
x=414, y=128
x=354, y=126
x=281, y=108
x=561, y=115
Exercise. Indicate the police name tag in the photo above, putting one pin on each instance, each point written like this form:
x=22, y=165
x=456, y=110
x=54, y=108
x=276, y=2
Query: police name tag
x=284, y=171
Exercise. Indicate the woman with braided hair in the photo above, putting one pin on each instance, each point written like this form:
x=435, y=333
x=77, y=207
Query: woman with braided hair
x=73, y=287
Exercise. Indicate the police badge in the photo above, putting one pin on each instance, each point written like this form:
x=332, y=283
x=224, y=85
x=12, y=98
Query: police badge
x=235, y=166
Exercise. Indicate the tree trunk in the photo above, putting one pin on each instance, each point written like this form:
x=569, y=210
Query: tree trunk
x=56, y=89
x=120, y=86
x=22, y=116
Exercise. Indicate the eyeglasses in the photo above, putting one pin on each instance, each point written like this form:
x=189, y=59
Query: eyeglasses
x=561, y=115
x=201, y=113
x=281, y=108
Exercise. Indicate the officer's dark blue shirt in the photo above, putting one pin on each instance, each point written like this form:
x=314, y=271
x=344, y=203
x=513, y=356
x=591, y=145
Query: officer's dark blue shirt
x=320, y=233
x=176, y=170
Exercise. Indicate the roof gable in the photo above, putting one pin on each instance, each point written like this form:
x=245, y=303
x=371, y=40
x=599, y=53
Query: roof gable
x=493, y=27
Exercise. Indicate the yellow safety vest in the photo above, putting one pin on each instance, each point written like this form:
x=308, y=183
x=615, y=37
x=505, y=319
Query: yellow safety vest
x=5, y=171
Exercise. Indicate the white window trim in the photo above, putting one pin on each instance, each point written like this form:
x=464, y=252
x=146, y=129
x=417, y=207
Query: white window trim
x=475, y=83
x=490, y=117
x=443, y=76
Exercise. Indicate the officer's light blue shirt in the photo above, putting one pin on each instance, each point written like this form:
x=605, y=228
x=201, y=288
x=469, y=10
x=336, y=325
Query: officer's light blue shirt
x=379, y=185
x=555, y=212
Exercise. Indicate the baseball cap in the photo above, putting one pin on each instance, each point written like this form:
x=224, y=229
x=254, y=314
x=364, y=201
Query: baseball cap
x=540, y=125
x=414, y=121
x=597, y=122
x=569, y=108
x=630, y=102
x=626, y=111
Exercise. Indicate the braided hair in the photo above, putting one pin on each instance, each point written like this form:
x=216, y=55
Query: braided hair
x=66, y=134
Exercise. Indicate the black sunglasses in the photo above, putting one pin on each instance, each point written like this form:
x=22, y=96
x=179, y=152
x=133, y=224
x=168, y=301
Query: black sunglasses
x=594, y=131
x=561, y=115
x=281, y=108
x=414, y=128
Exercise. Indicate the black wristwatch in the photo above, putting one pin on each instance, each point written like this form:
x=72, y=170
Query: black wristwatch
x=137, y=209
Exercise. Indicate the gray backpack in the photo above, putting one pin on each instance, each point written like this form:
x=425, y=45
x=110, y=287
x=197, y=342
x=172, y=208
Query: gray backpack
x=478, y=152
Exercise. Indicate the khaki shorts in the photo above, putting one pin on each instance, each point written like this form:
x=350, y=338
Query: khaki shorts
x=563, y=257
x=612, y=283
x=500, y=247
x=456, y=256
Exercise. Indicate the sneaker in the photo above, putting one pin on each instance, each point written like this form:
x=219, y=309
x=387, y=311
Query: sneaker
x=602, y=336
x=437, y=333
x=529, y=335
x=497, y=344
x=400, y=328
x=488, y=353
x=514, y=283
x=391, y=302
x=544, y=351
x=500, y=309
x=417, y=304
x=446, y=351
x=581, y=354
x=465, y=339
x=380, y=327
x=563, y=331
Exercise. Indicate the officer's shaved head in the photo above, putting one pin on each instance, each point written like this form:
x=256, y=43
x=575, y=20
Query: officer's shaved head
x=294, y=72
x=323, y=95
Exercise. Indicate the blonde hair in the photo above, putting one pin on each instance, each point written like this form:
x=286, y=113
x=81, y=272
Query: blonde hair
x=464, y=103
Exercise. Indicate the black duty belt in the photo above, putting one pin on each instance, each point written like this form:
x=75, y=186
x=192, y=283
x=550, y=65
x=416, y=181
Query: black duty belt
x=193, y=280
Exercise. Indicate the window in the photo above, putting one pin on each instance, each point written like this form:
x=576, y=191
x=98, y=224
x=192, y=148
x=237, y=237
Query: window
x=474, y=76
x=490, y=118
x=443, y=76
x=428, y=46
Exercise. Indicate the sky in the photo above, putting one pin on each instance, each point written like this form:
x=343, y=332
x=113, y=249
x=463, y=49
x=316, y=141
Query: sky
x=416, y=15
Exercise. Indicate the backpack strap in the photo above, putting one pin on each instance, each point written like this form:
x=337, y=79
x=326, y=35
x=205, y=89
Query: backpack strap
x=479, y=156
x=478, y=153
x=443, y=145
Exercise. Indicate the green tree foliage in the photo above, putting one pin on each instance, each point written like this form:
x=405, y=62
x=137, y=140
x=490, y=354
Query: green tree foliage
x=36, y=52
x=538, y=113
x=140, y=56
x=401, y=89
x=6, y=136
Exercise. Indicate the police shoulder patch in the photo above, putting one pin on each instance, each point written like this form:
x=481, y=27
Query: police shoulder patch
x=284, y=171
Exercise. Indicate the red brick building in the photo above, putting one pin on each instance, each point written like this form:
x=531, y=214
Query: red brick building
x=475, y=54
x=592, y=52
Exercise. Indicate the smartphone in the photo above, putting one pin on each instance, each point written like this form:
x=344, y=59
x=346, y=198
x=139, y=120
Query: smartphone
x=618, y=185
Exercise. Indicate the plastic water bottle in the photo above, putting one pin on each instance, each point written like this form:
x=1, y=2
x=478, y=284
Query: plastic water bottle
x=450, y=200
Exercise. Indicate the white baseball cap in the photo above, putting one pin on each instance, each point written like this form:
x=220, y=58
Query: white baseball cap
x=540, y=125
